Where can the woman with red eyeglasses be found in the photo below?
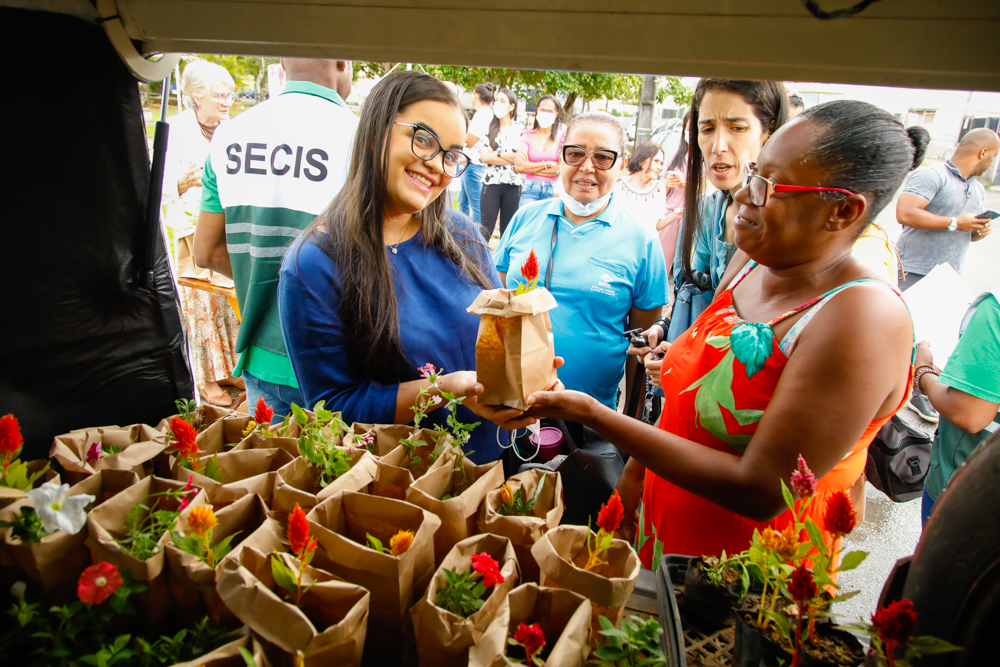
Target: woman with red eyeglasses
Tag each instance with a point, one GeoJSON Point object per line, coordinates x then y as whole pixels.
{"type": "Point", "coordinates": [805, 353]}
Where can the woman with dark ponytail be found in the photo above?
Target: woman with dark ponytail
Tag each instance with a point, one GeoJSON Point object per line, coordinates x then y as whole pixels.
{"type": "Point", "coordinates": [806, 353]}
{"type": "Point", "coordinates": [378, 284]}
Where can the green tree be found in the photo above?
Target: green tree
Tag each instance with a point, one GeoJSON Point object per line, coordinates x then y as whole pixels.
{"type": "Point", "coordinates": [673, 87]}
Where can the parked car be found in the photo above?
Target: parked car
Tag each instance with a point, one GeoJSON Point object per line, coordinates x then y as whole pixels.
{"type": "Point", "coordinates": [668, 136]}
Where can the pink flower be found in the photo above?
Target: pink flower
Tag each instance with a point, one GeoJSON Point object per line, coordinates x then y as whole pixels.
{"type": "Point", "coordinates": [94, 453]}
{"type": "Point", "coordinates": [186, 495]}
{"type": "Point", "coordinates": [803, 480]}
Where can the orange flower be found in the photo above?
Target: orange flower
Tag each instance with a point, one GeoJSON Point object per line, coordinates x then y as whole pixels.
{"type": "Point", "coordinates": [98, 582]}
{"type": "Point", "coordinates": [298, 533]}
{"type": "Point", "coordinates": [400, 542]}
{"type": "Point", "coordinates": [839, 518]}
{"type": "Point", "coordinates": [185, 435]}
{"type": "Point", "coordinates": [262, 414]}
{"type": "Point", "coordinates": [10, 436]}
{"type": "Point", "coordinates": [530, 268]}
{"type": "Point", "coordinates": [611, 514]}
{"type": "Point", "coordinates": [506, 495]}
{"type": "Point", "coordinates": [201, 519]}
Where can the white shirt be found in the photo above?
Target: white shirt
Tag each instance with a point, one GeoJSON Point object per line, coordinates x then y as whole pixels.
{"type": "Point", "coordinates": [479, 126]}
{"type": "Point", "coordinates": [186, 146]}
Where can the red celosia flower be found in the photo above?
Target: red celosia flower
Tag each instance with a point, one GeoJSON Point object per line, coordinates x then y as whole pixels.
{"type": "Point", "coordinates": [185, 434]}
{"type": "Point", "coordinates": [896, 622]}
{"type": "Point", "coordinates": [530, 268]}
{"type": "Point", "coordinates": [263, 413]}
{"type": "Point", "coordinates": [839, 518]}
{"type": "Point", "coordinates": [98, 582]}
{"type": "Point", "coordinates": [801, 586]}
{"type": "Point", "coordinates": [298, 533]}
{"type": "Point", "coordinates": [611, 514]}
{"type": "Point", "coordinates": [531, 638]}
{"type": "Point", "coordinates": [803, 480]}
{"type": "Point", "coordinates": [186, 495]}
{"type": "Point", "coordinates": [10, 436]}
{"type": "Point", "coordinates": [488, 568]}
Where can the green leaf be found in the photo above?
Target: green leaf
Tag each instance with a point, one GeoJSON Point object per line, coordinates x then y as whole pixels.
{"type": "Point", "coordinates": [786, 493]}
{"type": "Point", "coordinates": [927, 645]}
{"type": "Point", "coordinates": [852, 560]}
{"type": "Point", "coordinates": [300, 415]}
{"type": "Point", "coordinates": [224, 547]}
{"type": "Point", "coordinates": [844, 596]}
{"type": "Point", "coordinates": [375, 543]}
{"type": "Point", "coordinates": [212, 469]}
{"type": "Point", "coordinates": [283, 576]}
{"type": "Point", "coordinates": [815, 536]}
{"type": "Point", "coordinates": [247, 657]}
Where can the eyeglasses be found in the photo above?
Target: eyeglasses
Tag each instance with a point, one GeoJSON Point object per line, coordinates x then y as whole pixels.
{"type": "Point", "coordinates": [574, 156]}
{"type": "Point", "coordinates": [223, 97]}
{"type": "Point", "coordinates": [759, 186]}
{"type": "Point", "coordinates": [426, 147]}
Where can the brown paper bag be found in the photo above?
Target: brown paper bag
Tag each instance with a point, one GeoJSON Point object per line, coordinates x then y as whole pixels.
{"type": "Point", "coordinates": [258, 440]}
{"type": "Point", "coordinates": [203, 417]}
{"type": "Point", "coordinates": [514, 349]}
{"type": "Point", "coordinates": [228, 655]}
{"type": "Point", "coordinates": [524, 531]}
{"type": "Point", "coordinates": [330, 627]}
{"type": "Point", "coordinates": [341, 524]}
{"type": "Point", "coordinates": [391, 478]}
{"type": "Point", "coordinates": [243, 472]}
{"type": "Point", "coordinates": [140, 444]}
{"type": "Point", "coordinates": [9, 495]}
{"type": "Point", "coordinates": [444, 638]}
{"type": "Point", "coordinates": [563, 616]}
{"type": "Point", "coordinates": [387, 436]}
{"type": "Point", "coordinates": [296, 482]}
{"type": "Point", "coordinates": [192, 581]}
{"type": "Point", "coordinates": [57, 561]}
{"type": "Point", "coordinates": [458, 514]}
{"type": "Point", "coordinates": [187, 268]}
{"type": "Point", "coordinates": [106, 524]}
{"type": "Point", "coordinates": [561, 554]}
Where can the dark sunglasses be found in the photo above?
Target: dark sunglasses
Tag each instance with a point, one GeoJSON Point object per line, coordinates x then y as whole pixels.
{"type": "Point", "coordinates": [426, 147]}
{"type": "Point", "coordinates": [574, 156]}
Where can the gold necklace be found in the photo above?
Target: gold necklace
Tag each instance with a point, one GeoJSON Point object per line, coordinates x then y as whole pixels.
{"type": "Point", "coordinates": [405, 230]}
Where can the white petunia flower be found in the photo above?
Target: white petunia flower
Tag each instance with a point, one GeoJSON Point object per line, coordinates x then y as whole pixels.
{"type": "Point", "coordinates": [17, 590]}
{"type": "Point", "coordinates": [57, 511]}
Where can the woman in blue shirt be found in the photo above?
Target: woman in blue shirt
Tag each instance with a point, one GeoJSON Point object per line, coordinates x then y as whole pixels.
{"type": "Point", "coordinates": [377, 286]}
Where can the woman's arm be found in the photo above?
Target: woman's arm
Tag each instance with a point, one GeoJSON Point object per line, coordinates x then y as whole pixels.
{"type": "Point", "coordinates": [669, 219]}
{"type": "Point", "coordinates": [523, 165]}
{"type": "Point", "coordinates": [490, 156]}
{"type": "Point", "coordinates": [849, 367]}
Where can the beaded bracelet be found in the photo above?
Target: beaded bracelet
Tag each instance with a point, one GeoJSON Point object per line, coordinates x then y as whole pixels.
{"type": "Point", "coordinates": [921, 371]}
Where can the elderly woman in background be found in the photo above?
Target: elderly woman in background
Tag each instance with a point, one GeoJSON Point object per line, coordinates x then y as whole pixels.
{"type": "Point", "coordinates": [538, 158]}
{"type": "Point", "coordinates": [207, 90]}
{"type": "Point", "coordinates": [607, 270]}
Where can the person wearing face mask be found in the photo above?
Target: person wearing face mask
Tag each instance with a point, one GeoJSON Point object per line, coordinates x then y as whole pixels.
{"type": "Point", "coordinates": [378, 284]}
{"type": "Point", "coordinates": [538, 158]}
{"type": "Point", "coordinates": [501, 184]}
{"type": "Point", "coordinates": [605, 270]}
{"type": "Point", "coordinates": [729, 122]}
{"type": "Point", "coordinates": [479, 126]}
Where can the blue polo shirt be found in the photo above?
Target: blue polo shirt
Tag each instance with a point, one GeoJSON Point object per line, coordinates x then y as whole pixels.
{"type": "Point", "coordinates": [603, 268]}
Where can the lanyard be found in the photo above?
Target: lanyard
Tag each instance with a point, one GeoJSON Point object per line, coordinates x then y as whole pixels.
{"type": "Point", "coordinates": [552, 254]}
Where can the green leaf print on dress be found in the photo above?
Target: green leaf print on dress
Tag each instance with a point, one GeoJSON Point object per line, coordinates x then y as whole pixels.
{"type": "Point", "coordinates": [715, 391]}
{"type": "Point", "coordinates": [753, 343]}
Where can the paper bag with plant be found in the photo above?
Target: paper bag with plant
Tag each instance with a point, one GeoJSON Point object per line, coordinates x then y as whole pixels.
{"type": "Point", "coordinates": [514, 348]}
{"type": "Point", "coordinates": [85, 451]}
{"type": "Point", "coordinates": [527, 506]}
{"type": "Point", "coordinates": [304, 611]}
{"type": "Point", "coordinates": [595, 565]}
{"type": "Point", "coordinates": [201, 418]}
{"type": "Point", "coordinates": [237, 473]}
{"type": "Point", "coordinates": [537, 626]}
{"type": "Point", "coordinates": [384, 545]}
{"type": "Point", "coordinates": [18, 477]}
{"type": "Point", "coordinates": [464, 595]}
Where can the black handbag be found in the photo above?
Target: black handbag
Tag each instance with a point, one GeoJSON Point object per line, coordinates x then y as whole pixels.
{"type": "Point", "coordinates": [898, 460]}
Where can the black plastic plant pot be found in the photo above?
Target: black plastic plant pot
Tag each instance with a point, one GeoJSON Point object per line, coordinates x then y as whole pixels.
{"type": "Point", "coordinates": [706, 605]}
{"type": "Point", "coordinates": [850, 652]}
{"type": "Point", "coordinates": [753, 649]}
{"type": "Point", "coordinates": [671, 573]}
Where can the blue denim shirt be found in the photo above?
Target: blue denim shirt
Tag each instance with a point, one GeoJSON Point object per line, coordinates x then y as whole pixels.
{"type": "Point", "coordinates": [711, 256]}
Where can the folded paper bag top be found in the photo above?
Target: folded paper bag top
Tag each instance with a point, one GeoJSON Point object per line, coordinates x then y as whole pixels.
{"type": "Point", "coordinates": [502, 302]}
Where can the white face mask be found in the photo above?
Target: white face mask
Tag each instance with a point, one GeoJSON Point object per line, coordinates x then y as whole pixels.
{"type": "Point", "coordinates": [545, 119]}
{"type": "Point", "coordinates": [584, 210]}
{"type": "Point", "coordinates": [500, 109]}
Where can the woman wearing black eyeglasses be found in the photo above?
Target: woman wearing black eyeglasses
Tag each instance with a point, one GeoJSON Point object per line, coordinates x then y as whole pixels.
{"type": "Point", "coordinates": [378, 284]}
{"type": "Point", "coordinates": [806, 353]}
{"type": "Point", "coordinates": [607, 270]}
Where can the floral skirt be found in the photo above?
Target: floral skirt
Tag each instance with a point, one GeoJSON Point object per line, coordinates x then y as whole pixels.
{"type": "Point", "coordinates": [212, 330]}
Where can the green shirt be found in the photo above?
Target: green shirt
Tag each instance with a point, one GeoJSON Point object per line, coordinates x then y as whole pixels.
{"type": "Point", "coordinates": [272, 170]}
{"type": "Point", "coordinates": [974, 367]}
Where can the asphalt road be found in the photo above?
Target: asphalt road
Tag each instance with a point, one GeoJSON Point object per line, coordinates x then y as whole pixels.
{"type": "Point", "coordinates": [892, 530]}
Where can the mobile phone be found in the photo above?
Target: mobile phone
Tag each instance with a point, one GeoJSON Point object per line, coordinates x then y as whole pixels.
{"type": "Point", "coordinates": [988, 214]}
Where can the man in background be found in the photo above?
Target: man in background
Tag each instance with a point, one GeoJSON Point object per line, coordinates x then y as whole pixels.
{"type": "Point", "coordinates": [796, 105]}
{"type": "Point", "coordinates": [269, 173]}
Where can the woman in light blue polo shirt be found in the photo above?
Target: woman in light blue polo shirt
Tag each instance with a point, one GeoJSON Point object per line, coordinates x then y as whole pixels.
{"type": "Point", "coordinates": [607, 271]}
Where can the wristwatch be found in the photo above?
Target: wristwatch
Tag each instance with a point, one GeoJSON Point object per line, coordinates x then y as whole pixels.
{"type": "Point", "coordinates": [954, 225]}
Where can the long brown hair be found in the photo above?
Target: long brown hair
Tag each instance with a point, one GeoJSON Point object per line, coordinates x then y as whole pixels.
{"type": "Point", "coordinates": [770, 105]}
{"type": "Point", "coordinates": [349, 232]}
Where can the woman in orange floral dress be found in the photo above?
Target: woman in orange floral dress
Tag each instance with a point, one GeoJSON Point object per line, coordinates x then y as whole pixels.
{"type": "Point", "coordinates": [806, 352]}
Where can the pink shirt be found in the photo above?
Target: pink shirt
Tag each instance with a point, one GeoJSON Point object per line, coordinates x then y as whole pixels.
{"type": "Point", "coordinates": [542, 156]}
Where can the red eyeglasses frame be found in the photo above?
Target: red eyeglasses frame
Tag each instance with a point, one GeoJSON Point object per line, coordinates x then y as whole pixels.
{"type": "Point", "coordinates": [781, 187]}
